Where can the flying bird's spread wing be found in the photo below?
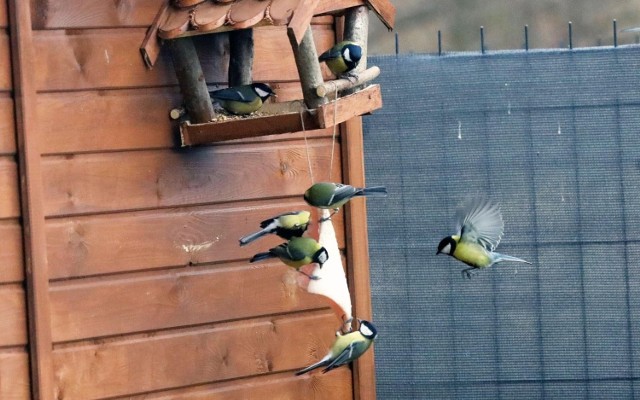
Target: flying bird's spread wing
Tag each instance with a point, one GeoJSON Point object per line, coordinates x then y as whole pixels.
{"type": "Point", "coordinates": [480, 221]}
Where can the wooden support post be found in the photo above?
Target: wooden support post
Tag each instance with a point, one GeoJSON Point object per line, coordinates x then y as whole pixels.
{"type": "Point", "coordinates": [32, 199]}
{"type": "Point", "coordinates": [308, 68]}
{"type": "Point", "coordinates": [191, 79]}
{"type": "Point", "coordinates": [240, 57]}
{"type": "Point", "coordinates": [356, 29]}
{"type": "Point", "coordinates": [357, 244]}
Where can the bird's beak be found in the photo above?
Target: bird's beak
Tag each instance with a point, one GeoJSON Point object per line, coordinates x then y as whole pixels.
{"type": "Point", "coordinates": [273, 95]}
{"type": "Point", "coordinates": [437, 252]}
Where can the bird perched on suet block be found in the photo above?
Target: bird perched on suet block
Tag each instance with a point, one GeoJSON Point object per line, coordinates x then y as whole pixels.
{"type": "Point", "coordinates": [287, 226]}
{"type": "Point", "coordinates": [334, 195]}
{"type": "Point", "coordinates": [346, 348]}
{"type": "Point", "coordinates": [479, 230]}
{"type": "Point", "coordinates": [342, 58]}
{"type": "Point", "coordinates": [242, 100]}
{"type": "Point", "coordinates": [296, 253]}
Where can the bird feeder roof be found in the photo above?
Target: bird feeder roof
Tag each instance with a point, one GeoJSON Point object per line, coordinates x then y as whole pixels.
{"type": "Point", "coordinates": [196, 17]}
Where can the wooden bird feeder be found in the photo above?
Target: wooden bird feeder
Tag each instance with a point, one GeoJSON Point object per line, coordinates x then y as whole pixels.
{"type": "Point", "coordinates": [179, 20]}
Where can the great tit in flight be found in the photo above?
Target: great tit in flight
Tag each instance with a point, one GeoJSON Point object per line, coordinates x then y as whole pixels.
{"type": "Point", "coordinates": [479, 230]}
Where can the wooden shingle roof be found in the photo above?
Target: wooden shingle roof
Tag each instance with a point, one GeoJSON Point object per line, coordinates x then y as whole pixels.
{"type": "Point", "coordinates": [196, 17]}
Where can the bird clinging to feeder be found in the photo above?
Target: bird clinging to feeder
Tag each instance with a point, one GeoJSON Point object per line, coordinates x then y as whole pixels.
{"type": "Point", "coordinates": [332, 196]}
{"type": "Point", "coordinates": [346, 348]}
{"type": "Point", "coordinates": [287, 225]}
{"type": "Point", "coordinates": [296, 253]}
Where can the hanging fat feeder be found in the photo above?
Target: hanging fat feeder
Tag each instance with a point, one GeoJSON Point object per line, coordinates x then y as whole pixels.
{"type": "Point", "coordinates": [179, 20]}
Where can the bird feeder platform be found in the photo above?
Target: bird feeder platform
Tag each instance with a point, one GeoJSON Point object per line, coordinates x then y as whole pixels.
{"type": "Point", "coordinates": [285, 117]}
{"type": "Point", "coordinates": [178, 21]}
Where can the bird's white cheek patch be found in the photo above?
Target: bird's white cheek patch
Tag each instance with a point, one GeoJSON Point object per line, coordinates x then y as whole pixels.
{"type": "Point", "coordinates": [365, 331]}
{"type": "Point", "coordinates": [347, 55]}
{"type": "Point", "coordinates": [261, 92]}
{"type": "Point", "coordinates": [446, 249]}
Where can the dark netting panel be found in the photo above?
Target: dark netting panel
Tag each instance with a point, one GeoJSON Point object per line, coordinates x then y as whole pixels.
{"type": "Point", "coordinates": [555, 138]}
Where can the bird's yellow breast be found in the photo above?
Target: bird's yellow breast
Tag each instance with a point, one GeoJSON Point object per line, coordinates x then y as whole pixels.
{"type": "Point", "coordinates": [337, 65]}
{"type": "Point", "coordinates": [242, 108]}
{"type": "Point", "coordinates": [472, 254]}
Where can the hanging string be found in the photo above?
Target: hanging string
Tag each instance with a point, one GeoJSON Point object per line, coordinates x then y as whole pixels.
{"type": "Point", "coordinates": [306, 145]}
{"type": "Point", "coordinates": [335, 129]}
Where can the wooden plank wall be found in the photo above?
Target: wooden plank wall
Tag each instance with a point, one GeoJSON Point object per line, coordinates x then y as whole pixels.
{"type": "Point", "coordinates": [14, 358]}
{"type": "Point", "coordinates": [150, 295]}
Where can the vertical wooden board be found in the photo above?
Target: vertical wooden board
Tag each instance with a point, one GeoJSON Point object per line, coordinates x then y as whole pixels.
{"type": "Point", "coordinates": [336, 385]}
{"type": "Point", "coordinates": [4, 20]}
{"type": "Point", "coordinates": [13, 314]}
{"type": "Point", "coordinates": [108, 120]}
{"type": "Point", "coordinates": [7, 125]}
{"type": "Point", "coordinates": [165, 361]}
{"type": "Point", "coordinates": [150, 179]}
{"type": "Point", "coordinates": [184, 297]}
{"type": "Point", "coordinates": [11, 254]}
{"type": "Point", "coordinates": [98, 245]}
{"type": "Point", "coordinates": [14, 376]}
{"type": "Point", "coordinates": [9, 201]}
{"type": "Point", "coordinates": [74, 14]}
{"type": "Point", "coordinates": [5, 62]}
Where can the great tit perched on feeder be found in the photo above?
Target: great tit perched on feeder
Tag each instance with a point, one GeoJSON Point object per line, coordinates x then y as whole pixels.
{"type": "Point", "coordinates": [342, 58]}
{"type": "Point", "coordinates": [334, 195]}
{"type": "Point", "coordinates": [480, 228]}
{"type": "Point", "coordinates": [346, 348]}
{"type": "Point", "coordinates": [287, 226]}
{"type": "Point", "coordinates": [242, 100]}
{"type": "Point", "coordinates": [296, 253]}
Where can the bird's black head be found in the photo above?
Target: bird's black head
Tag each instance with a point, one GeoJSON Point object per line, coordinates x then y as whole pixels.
{"type": "Point", "coordinates": [447, 246]}
{"type": "Point", "coordinates": [321, 256]}
{"type": "Point", "coordinates": [351, 53]}
{"type": "Point", "coordinates": [263, 90]}
{"type": "Point", "coordinates": [367, 329]}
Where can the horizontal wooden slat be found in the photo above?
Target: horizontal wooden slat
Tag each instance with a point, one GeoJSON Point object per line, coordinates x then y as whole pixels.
{"type": "Point", "coordinates": [13, 314]}
{"type": "Point", "coordinates": [159, 362]}
{"type": "Point", "coordinates": [149, 179]}
{"type": "Point", "coordinates": [77, 14]}
{"type": "Point", "coordinates": [117, 119]}
{"type": "Point", "coordinates": [11, 256]}
{"type": "Point", "coordinates": [337, 385]}
{"type": "Point", "coordinates": [5, 64]}
{"type": "Point", "coordinates": [109, 58]}
{"type": "Point", "coordinates": [9, 200]}
{"type": "Point", "coordinates": [81, 310]}
{"type": "Point", "coordinates": [7, 125]}
{"type": "Point", "coordinates": [48, 14]}
{"type": "Point", "coordinates": [94, 245]}
{"type": "Point", "coordinates": [14, 376]}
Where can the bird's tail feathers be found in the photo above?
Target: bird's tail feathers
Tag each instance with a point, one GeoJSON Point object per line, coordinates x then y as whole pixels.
{"type": "Point", "coordinates": [504, 257]}
{"type": "Point", "coordinates": [373, 191]}
{"type": "Point", "coordinates": [261, 256]}
{"type": "Point", "coordinates": [252, 236]}
{"type": "Point", "coordinates": [311, 367]}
